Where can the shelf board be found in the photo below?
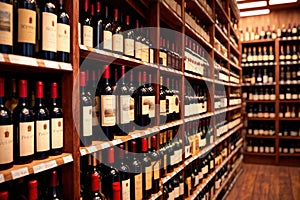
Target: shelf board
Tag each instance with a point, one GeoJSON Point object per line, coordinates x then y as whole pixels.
{"type": "Point", "coordinates": [222, 110]}
{"type": "Point", "coordinates": [222, 15]}
{"type": "Point", "coordinates": [290, 101]}
{"type": "Point", "coordinates": [220, 82]}
{"type": "Point", "coordinates": [219, 55]}
{"type": "Point", "coordinates": [27, 64]}
{"type": "Point", "coordinates": [100, 145]}
{"type": "Point", "coordinates": [260, 136]}
{"type": "Point", "coordinates": [261, 118]}
{"type": "Point", "coordinates": [155, 196]}
{"type": "Point", "coordinates": [261, 64]}
{"type": "Point", "coordinates": [289, 63]}
{"type": "Point", "coordinates": [289, 119]}
{"type": "Point", "coordinates": [201, 12]}
{"type": "Point", "coordinates": [201, 78]}
{"type": "Point", "coordinates": [260, 101]}
{"type": "Point", "coordinates": [289, 39]}
{"type": "Point", "coordinates": [197, 37]}
{"type": "Point", "coordinates": [235, 85]}
{"type": "Point", "coordinates": [234, 65]}
{"type": "Point", "coordinates": [111, 58]}
{"type": "Point", "coordinates": [170, 16]}
{"type": "Point", "coordinates": [258, 154]}
{"type": "Point", "coordinates": [171, 70]}
{"type": "Point", "coordinates": [235, 49]}
{"type": "Point", "coordinates": [198, 117]}
{"type": "Point", "coordinates": [258, 41]}
{"type": "Point", "coordinates": [294, 82]}
{"type": "Point", "coordinates": [289, 137]}
{"type": "Point", "coordinates": [289, 154]}
{"type": "Point", "coordinates": [37, 166]}
{"type": "Point", "coordinates": [258, 84]}
{"type": "Point", "coordinates": [220, 35]}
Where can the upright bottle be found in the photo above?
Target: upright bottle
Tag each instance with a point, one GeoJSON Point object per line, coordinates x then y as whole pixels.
{"type": "Point", "coordinates": [42, 124]}
{"type": "Point", "coordinates": [124, 173]}
{"type": "Point", "coordinates": [131, 90]}
{"type": "Point", "coordinates": [95, 193]}
{"type": "Point", "coordinates": [12, 101]}
{"type": "Point", "coordinates": [117, 36]}
{"type": "Point", "coordinates": [98, 26]}
{"type": "Point", "coordinates": [63, 34]}
{"type": "Point", "coordinates": [54, 190]}
{"type": "Point", "coordinates": [85, 113]}
{"type": "Point", "coordinates": [147, 169]}
{"type": "Point", "coordinates": [87, 26]}
{"type": "Point", "coordinates": [56, 123]}
{"type": "Point", "coordinates": [128, 38]}
{"type": "Point", "coordinates": [6, 40]}
{"type": "Point", "coordinates": [136, 178]}
{"type": "Point", "coordinates": [23, 119]}
{"type": "Point", "coordinates": [26, 26]}
{"type": "Point", "coordinates": [6, 132]}
{"type": "Point", "coordinates": [107, 32]}
{"type": "Point", "coordinates": [155, 159]}
{"type": "Point", "coordinates": [162, 102]}
{"type": "Point", "coordinates": [32, 190]}
{"type": "Point", "coordinates": [151, 100]}
{"type": "Point", "coordinates": [107, 106]}
{"type": "Point", "coordinates": [138, 42]}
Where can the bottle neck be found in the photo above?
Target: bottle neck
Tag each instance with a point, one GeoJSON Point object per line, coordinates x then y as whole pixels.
{"type": "Point", "coordinates": [38, 101]}
{"type": "Point", "coordinates": [82, 89]}
{"type": "Point", "coordinates": [1, 100]}
{"type": "Point", "coordinates": [54, 101]}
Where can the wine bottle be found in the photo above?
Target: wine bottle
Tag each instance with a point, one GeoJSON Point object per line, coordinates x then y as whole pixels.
{"type": "Point", "coordinates": [6, 40]}
{"type": "Point", "coordinates": [87, 26]}
{"type": "Point", "coordinates": [136, 179]}
{"type": "Point", "coordinates": [147, 170]}
{"type": "Point", "coordinates": [12, 101]}
{"type": "Point", "coordinates": [162, 102]}
{"type": "Point", "coordinates": [6, 132]}
{"type": "Point", "coordinates": [124, 173]}
{"type": "Point", "coordinates": [95, 193]}
{"type": "Point", "coordinates": [56, 128]}
{"type": "Point", "coordinates": [262, 33]}
{"type": "Point", "coordinates": [294, 31]}
{"type": "Point", "coordinates": [138, 41]}
{"type": "Point", "coordinates": [107, 102]}
{"type": "Point", "coordinates": [289, 32]}
{"type": "Point", "coordinates": [170, 101]}
{"type": "Point", "coordinates": [176, 187]}
{"type": "Point", "coordinates": [4, 195]}
{"type": "Point", "coordinates": [32, 190]}
{"type": "Point", "coordinates": [63, 34]}
{"type": "Point", "coordinates": [128, 38]}
{"type": "Point", "coordinates": [151, 100]}
{"type": "Point", "coordinates": [188, 182]}
{"type": "Point", "coordinates": [155, 158]}
{"type": "Point", "coordinates": [117, 36]}
{"type": "Point", "coordinates": [23, 128]}
{"type": "Point", "coordinates": [26, 28]}
{"type": "Point", "coordinates": [54, 190]}
{"type": "Point", "coordinates": [98, 26]}
{"type": "Point", "coordinates": [131, 90]}
{"type": "Point", "coordinates": [42, 124]}
{"type": "Point", "coordinates": [85, 113]}
{"type": "Point", "coordinates": [283, 31]}
{"type": "Point", "coordinates": [107, 32]}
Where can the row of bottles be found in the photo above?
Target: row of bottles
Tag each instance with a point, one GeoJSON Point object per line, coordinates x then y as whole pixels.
{"type": "Point", "coordinates": [289, 32]}
{"type": "Point", "coordinates": [261, 110]}
{"type": "Point", "coordinates": [267, 128]}
{"type": "Point", "coordinates": [258, 55]}
{"type": "Point", "coordinates": [289, 92]}
{"type": "Point", "coordinates": [287, 128]}
{"type": "Point", "coordinates": [35, 29]}
{"type": "Point", "coordinates": [169, 55]}
{"type": "Point", "coordinates": [267, 77]}
{"type": "Point", "coordinates": [287, 110]}
{"type": "Point", "coordinates": [262, 93]}
{"type": "Point", "coordinates": [289, 53]}
{"type": "Point", "coordinates": [195, 101]}
{"type": "Point", "coordinates": [289, 146]}
{"type": "Point", "coordinates": [27, 132]}
{"type": "Point", "coordinates": [260, 146]}
{"type": "Point", "coordinates": [289, 74]}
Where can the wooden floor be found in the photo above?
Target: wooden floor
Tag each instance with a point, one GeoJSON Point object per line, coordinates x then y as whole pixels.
{"type": "Point", "coordinates": [265, 182]}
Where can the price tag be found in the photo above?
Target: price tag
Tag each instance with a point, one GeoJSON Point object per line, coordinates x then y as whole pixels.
{"type": "Point", "coordinates": [50, 164]}
{"type": "Point", "coordinates": [147, 132]}
{"type": "Point", "coordinates": [115, 142]}
{"type": "Point", "coordinates": [68, 159]}
{"type": "Point", "coordinates": [136, 135]}
{"type": "Point", "coordinates": [83, 47]}
{"type": "Point", "coordinates": [125, 58]}
{"type": "Point", "coordinates": [39, 168]}
{"type": "Point", "coordinates": [1, 57]}
{"type": "Point", "coordinates": [66, 66]}
{"type": "Point", "coordinates": [156, 129]}
{"type": "Point", "coordinates": [91, 149]}
{"type": "Point", "coordinates": [51, 64]}
{"type": "Point", "coordinates": [82, 152]}
{"type": "Point", "coordinates": [1, 178]}
{"type": "Point", "coordinates": [18, 173]}
{"type": "Point", "coordinates": [105, 145]}
{"type": "Point", "coordinates": [22, 60]}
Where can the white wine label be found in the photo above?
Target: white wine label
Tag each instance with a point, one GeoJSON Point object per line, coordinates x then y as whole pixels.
{"type": "Point", "coordinates": [128, 47]}
{"type": "Point", "coordinates": [108, 110]}
{"type": "Point", "coordinates": [163, 108]}
{"type": "Point", "coordinates": [124, 109]}
{"type": "Point", "coordinates": [205, 170]}
{"type": "Point", "coordinates": [49, 31]}
{"type": "Point", "coordinates": [26, 138]}
{"type": "Point", "coordinates": [255, 149]}
{"type": "Point", "coordinates": [117, 43]}
{"type": "Point", "coordinates": [145, 53]}
{"type": "Point", "coordinates": [145, 105]}
{"type": "Point", "coordinates": [26, 26]}
{"type": "Point", "coordinates": [87, 121]}
{"type": "Point", "coordinates": [6, 144]}
{"type": "Point", "coordinates": [151, 106]}
{"type": "Point", "coordinates": [163, 58]}
{"type": "Point", "coordinates": [151, 56]}
{"type": "Point", "coordinates": [57, 131]}
{"type": "Point", "coordinates": [88, 36]}
{"type": "Point", "coordinates": [63, 37]}
{"type": "Point", "coordinates": [131, 111]}
{"type": "Point", "coordinates": [126, 189]}
{"type": "Point", "coordinates": [148, 177]}
{"type": "Point", "coordinates": [249, 148]}
{"type": "Point", "coordinates": [156, 172]}
{"type": "Point", "coordinates": [138, 50]}
{"type": "Point", "coordinates": [218, 184]}
{"type": "Point", "coordinates": [288, 95]}
{"type": "Point", "coordinates": [6, 24]}
{"type": "Point", "coordinates": [212, 164]}
{"type": "Point", "coordinates": [181, 189]}
{"type": "Point", "coordinates": [42, 136]}
{"type": "Point", "coordinates": [138, 187]}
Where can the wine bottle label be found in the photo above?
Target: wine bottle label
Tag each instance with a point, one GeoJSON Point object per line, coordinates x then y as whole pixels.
{"type": "Point", "coordinates": [288, 57]}
{"type": "Point", "coordinates": [26, 26]}
{"type": "Point", "coordinates": [151, 55]}
{"type": "Point", "coordinates": [189, 185]}
{"type": "Point", "coordinates": [187, 151]}
{"type": "Point", "coordinates": [95, 111]}
{"type": "Point", "coordinates": [6, 24]}
{"type": "Point", "coordinates": [295, 96]}
{"type": "Point", "coordinates": [128, 47]}
{"type": "Point", "coordinates": [255, 149]}
{"type": "Point", "coordinates": [126, 189]}
{"type": "Point", "coordinates": [287, 114]}
{"type": "Point", "coordinates": [271, 57]}
{"type": "Point", "coordinates": [169, 104]}
{"type": "Point", "coordinates": [281, 57]}
{"type": "Point", "coordinates": [281, 96]}
{"type": "Point", "coordinates": [49, 32]}
{"type": "Point", "coordinates": [165, 161]}
{"type": "Point", "coordinates": [266, 57]}
{"type": "Point", "coordinates": [117, 42]}
{"type": "Point", "coordinates": [181, 189]}
{"type": "Point", "coordinates": [292, 150]}
{"type": "Point", "coordinates": [6, 143]}
{"type": "Point", "coordinates": [138, 186]}
{"type": "Point", "coordinates": [179, 157]}
{"type": "Point", "coordinates": [124, 109]}
{"type": "Point", "coordinates": [288, 95]}
{"type": "Point", "coordinates": [57, 133]}
{"type": "Point", "coordinates": [108, 109]}
{"type": "Point", "coordinates": [249, 148]}
{"type": "Point", "coordinates": [79, 33]}
{"type": "Point", "coordinates": [138, 50]}
{"type": "Point", "coordinates": [145, 54]}
{"type": "Point", "coordinates": [266, 115]}
{"type": "Point", "coordinates": [42, 136]}
{"type": "Point", "coordinates": [196, 181]}
{"type": "Point", "coordinates": [172, 159]}
{"type": "Point", "coordinates": [163, 58]}
{"type": "Point", "coordinates": [261, 131]}
{"type": "Point", "coordinates": [285, 150]}
{"type": "Point", "coordinates": [265, 79]}
{"type": "Point", "coordinates": [63, 37]}
{"type": "Point", "coordinates": [212, 164]}
{"type": "Point", "coordinates": [145, 105]}
{"type": "Point", "coordinates": [87, 120]}
{"type": "Point", "coordinates": [148, 175]}
{"type": "Point", "coordinates": [267, 149]}
{"type": "Point", "coordinates": [218, 184]}
{"type": "Point", "coordinates": [26, 138]}
{"type": "Point", "coordinates": [205, 169]}
{"type": "Point", "coordinates": [88, 36]}
{"type": "Point", "coordinates": [162, 105]}
{"type": "Point", "coordinates": [176, 104]}
{"type": "Point", "coordinates": [260, 57]}
{"type": "Point", "coordinates": [295, 57]}
{"type": "Point", "coordinates": [107, 40]}
{"type": "Point", "coordinates": [151, 100]}
{"type": "Point", "coordinates": [131, 111]}
{"type": "Point", "coordinates": [176, 192]}
{"type": "Point", "coordinates": [156, 170]}
{"type": "Point", "coordinates": [171, 195]}
{"type": "Point", "coordinates": [271, 149]}
{"type": "Point", "coordinates": [272, 97]}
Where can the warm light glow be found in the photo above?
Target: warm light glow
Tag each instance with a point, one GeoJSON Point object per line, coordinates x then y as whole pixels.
{"type": "Point", "coordinates": [255, 12]}
{"type": "Point", "coordinates": [275, 2]}
{"type": "Point", "coordinates": [252, 4]}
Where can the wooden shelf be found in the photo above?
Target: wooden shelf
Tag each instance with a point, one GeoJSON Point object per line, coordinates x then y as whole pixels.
{"type": "Point", "coordinates": [29, 64]}
{"type": "Point", "coordinates": [261, 64]}
{"type": "Point", "coordinates": [290, 101]}
{"type": "Point", "coordinates": [289, 137]}
{"type": "Point", "coordinates": [261, 118]}
{"type": "Point", "coordinates": [220, 82]}
{"type": "Point", "coordinates": [201, 12]}
{"type": "Point", "coordinates": [169, 16]}
{"type": "Point", "coordinates": [290, 154]}
{"type": "Point", "coordinates": [220, 35]}
{"type": "Point", "coordinates": [289, 119]}
{"type": "Point", "coordinates": [289, 39]}
{"type": "Point", "coordinates": [222, 110]}
{"type": "Point", "coordinates": [201, 78]}
{"type": "Point", "coordinates": [259, 154]}
{"type": "Point", "coordinates": [260, 136]}
{"type": "Point", "coordinates": [156, 196]}
{"type": "Point", "coordinates": [197, 37]}
{"type": "Point", "coordinates": [37, 166]}
{"type": "Point", "coordinates": [198, 117]}
{"type": "Point", "coordinates": [222, 15]}
{"type": "Point", "coordinates": [260, 101]}
{"type": "Point", "coordinates": [171, 70]}
{"type": "Point", "coordinates": [258, 41]}
{"type": "Point", "coordinates": [258, 84]}
{"type": "Point", "coordinates": [294, 82]}
{"type": "Point", "coordinates": [234, 65]}
{"type": "Point", "coordinates": [221, 56]}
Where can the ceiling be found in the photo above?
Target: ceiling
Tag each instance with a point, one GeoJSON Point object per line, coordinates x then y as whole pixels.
{"type": "Point", "coordinates": [259, 7]}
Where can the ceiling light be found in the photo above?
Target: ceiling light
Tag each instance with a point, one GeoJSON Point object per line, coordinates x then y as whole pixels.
{"type": "Point", "coordinates": [252, 5]}
{"type": "Point", "coordinates": [255, 12]}
{"type": "Point", "coordinates": [275, 2]}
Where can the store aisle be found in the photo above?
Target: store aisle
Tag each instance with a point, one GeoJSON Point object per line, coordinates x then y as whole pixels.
{"type": "Point", "coordinates": [265, 182]}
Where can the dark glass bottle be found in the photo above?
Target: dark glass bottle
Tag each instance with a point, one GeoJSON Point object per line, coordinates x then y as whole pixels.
{"type": "Point", "coordinates": [63, 34]}
{"type": "Point", "coordinates": [12, 101]}
{"type": "Point", "coordinates": [6, 40]}
{"type": "Point", "coordinates": [124, 173]}
{"type": "Point", "coordinates": [32, 190]}
{"type": "Point", "coordinates": [4, 195]}
{"type": "Point", "coordinates": [170, 100]}
{"type": "Point", "coordinates": [151, 99]}
{"type": "Point", "coordinates": [147, 169]}
{"type": "Point", "coordinates": [128, 38]}
{"type": "Point", "coordinates": [162, 103]}
{"type": "Point", "coordinates": [95, 193]}
{"type": "Point", "coordinates": [98, 26]}
{"type": "Point", "coordinates": [107, 31]}
{"type": "Point", "coordinates": [54, 190]}
{"type": "Point", "coordinates": [136, 178]}
{"type": "Point", "coordinates": [87, 26]}
{"type": "Point", "coordinates": [6, 132]}
{"type": "Point", "coordinates": [23, 119]}
{"type": "Point", "coordinates": [131, 90]}
{"type": "Point", "coordinates": [155, 160]}
{"type": "Point", "coordinates": [138, 41]}
{"type": "Point", "coordinates": [117, 36]}
{"type": "Point", "coordinates": [188, 182]}
{"type": "Point", "coordinates": [56, 128]}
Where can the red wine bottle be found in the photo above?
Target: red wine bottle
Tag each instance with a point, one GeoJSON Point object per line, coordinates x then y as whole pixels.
{"type": "Point", "coordinates": [162, 102]}
{"type": "Point", "coordinates": [98, 26]}
{"type": "Point", "coordinates": [26, 20]}
{"type": "Point", "coordinates": [95, 193]}
{"type": "Point", "coordinates": [107, 102]}
{"type": "Point", "coordinates": [151, 99]}
{"type": "Point", "coordinates": [49, 31]}
{"type": "Point", "coordinates": [87, 26]}
{"type": "Point", "coordinates": [23, 128]}
{"type": "Point", "coordinates": [131, 89]}
{"type": "Point", "coordinates": [4, 195]}
{"type": "Point", "coordinates": [42, 124]}
{"type": "Point", "coordinates": [107, 32]}
{"type": "Point", "coordinates": [147, 169]}
{"type": "Point", "coordinates": [33, 190]}
{"type": "Point", "coordinates": [128, 38]}
{"type": "Point", "coordinates": [54, 190]}
{"type": "Point", "coordinates": [136, 179]}
{"type": "Point", "coordinates": [124, 174]}
{"type": "Point", "coordinates": [117, 36]}
{"type": "Point", "coordinates": [155, 163]}
{"type": "Point", "coordinates": [86, 113]}
{"type": "Point", "coordinates": [6, 40]}
{"type": "Point", "coordinates": [6, 132]}
{"type": "Point", "coordinates": [63, 34]}
{"type": "Point", "coordinates": [56, 128]}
